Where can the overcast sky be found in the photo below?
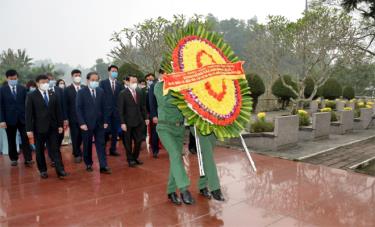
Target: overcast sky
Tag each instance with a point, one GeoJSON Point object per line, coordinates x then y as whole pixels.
{"type": "Point", "coordinates": [78, 31]}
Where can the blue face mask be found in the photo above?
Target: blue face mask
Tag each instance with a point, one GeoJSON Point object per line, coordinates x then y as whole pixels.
{"type": "Point", "coordinates": [94, 84]}
{"type": "Point", "coordinates": [12, 82]}
{"type": "Point", "coordinates": [32, 89]}
{"type": "Point", "coordinates": [114, 75]}
{"type": "Point", "coordinates": [52, 83]}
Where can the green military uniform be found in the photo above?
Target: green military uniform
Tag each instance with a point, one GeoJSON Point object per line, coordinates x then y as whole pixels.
{"type": "Point", "coordinates": [211, 179]}
{"type": "Point", "coordinates": [171, 131]}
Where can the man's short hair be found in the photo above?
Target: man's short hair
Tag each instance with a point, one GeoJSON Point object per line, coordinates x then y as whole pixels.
{"type": "Point", "coordinates": [41, 77]}
{"type": "Point", "coordinates": [74, 71]}
{"type": "Point", "coordinates": [149, 74]}
{"type": "Point", "coordinates": [112, 66]}
{"type": "Point", "coordinates": [90, 74]}
{"type": "Point", "coordinates": [11, 72]}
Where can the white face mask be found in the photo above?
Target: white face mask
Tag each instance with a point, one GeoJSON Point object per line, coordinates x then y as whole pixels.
{"type": "Point", "coordinates": [133, 86]}
{"type": "Point", "coordinates": [77, 79]}
{"type": "Point", "coordinates": [62, 86]}
{"type": "Point", "coordinates": [44, 86]}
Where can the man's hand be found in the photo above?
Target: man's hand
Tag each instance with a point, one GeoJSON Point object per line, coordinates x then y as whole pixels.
{"type": "Point", "coordinates": [155, 120]}
{"type": "Point", "coordinates": [147, 122]}
{"type": "Point", "coordinates": [84, 127]}
{"type": "Point", "coordinates": [61, 130]}
{"type": "Point", "coordinates": [123, 127]}
{"type": "Point", "coordinates": [3, 125]}
{"type": "Point", "coordinates": [30, 135]}
{"type": "Point", "coordinates": [105, 126]}
{"type": "Point", "coordinates": [66, 124]}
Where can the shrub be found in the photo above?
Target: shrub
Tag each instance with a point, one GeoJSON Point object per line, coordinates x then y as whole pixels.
{"type": "Point", "coordinates": [127, 68]}
{"type": "Point", "coordinates": [257, 87]}
{"type": "Point", "coordinates": [330, 104]}
{"type": "Point", "coordinates": [309, 87]}
{"type": "Point", "coordinates": [331, 89]}
{"type": "Point", "coordinates": [348, 108]}
{"type": "Point", "coordinates": [261, 125]}
{"type": "Point", "coordinates": [333, 114]}
{"type": "Point", "coordinates": [304, 118]}
{"type": "Point", "coordinates": [348, 92]}
{"type": "Point", "coordinates": [282, 92]}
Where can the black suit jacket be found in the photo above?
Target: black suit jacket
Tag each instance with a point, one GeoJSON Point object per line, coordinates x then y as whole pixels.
{"type": "Point", "coordinates": [90, 112]}
{"type": "Point", "coordinates": [41, 118]}
{"type": "Point", "coordinates": [110, 97]}
{"type": "Point", "coordinates": [70, 95]}
{"type": "Point", "coordinates": [11, 109]}
{"type": "Point", "coordinates": [152, 101]}
{"type": "Point", "coordinates": [132, 113]}
{"type": "Point", "coordinates": [59, 92]}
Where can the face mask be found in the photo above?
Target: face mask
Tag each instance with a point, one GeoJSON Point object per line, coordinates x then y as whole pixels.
{"type": "Point", "coordinates": [114, 75]}
{"type": "Point", "coordinates": [32, 88]}
{"type": "Point", "coordinates": [133, 86]}
{"type": "Point", "coordinates": [52, 83]}
{"type": "Point", "coordinates": [149, 83]}
{"type": "Point", "coordinates": [12, 82]}
{"type": "Point", "coordinates": [93, 84]}
{"type": "Point", "coordinates": [62, 86]}
{"type": "Point", "coordinates": [44, 86]}
{"type": "Point", "coordinates": [77, 79]}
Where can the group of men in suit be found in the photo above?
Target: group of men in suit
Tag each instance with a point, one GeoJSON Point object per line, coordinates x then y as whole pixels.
{"type": "Point", "coordinates": [96, 112]}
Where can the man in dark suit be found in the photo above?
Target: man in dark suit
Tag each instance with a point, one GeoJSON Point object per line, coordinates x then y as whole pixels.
{"type": "Point", "coordinates": [153, 107]}
{"type": "Point", "coordinates": [112, 89]}
{"type": "Point", "coordinates": [44, 122]}
{"type": "Point", "coordinates": [70, 94]}
{"type": "Point", "coordinates": [92, 116]}
{"type": "Point", "coordinates": [12, 117]}
{"type": "Point", "coordinates": [132, 111]}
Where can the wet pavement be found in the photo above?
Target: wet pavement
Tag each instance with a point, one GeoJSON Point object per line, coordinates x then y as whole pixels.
{"type": "Point", "coordinates": [281, 193]}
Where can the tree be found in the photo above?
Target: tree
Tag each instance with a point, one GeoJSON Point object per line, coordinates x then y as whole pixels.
{"type": "Point", "coordinates": [130, 69]}
{"type": "Point", "coordinates": [284, 93]}
{"type": "Point", "coordinates": [15, 59]}
{"type": "Point", "coordinates": [257, 87]}
{"type": "Point", "coordinates": [348, 93]}
{"type": "Point", "coordinates": [332, 89]}
{"type": "Point", "coordinates": [100, 67]}
{"type": "Point", "coordinates": [43, 69]}
{"type": "Point", "coordinates": [309, 87]}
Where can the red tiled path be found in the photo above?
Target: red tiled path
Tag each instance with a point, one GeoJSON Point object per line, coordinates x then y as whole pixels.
{"type": "Point", "coordinates": [281, 193]}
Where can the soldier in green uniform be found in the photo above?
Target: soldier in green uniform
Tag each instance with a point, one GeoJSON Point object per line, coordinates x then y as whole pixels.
{"type": "Point", "coordinates": [171, 131]}
{"type": "Point", "coordinates": [209, 182]}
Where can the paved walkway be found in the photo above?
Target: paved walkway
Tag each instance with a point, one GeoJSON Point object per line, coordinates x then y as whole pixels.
{"type": "Point", "coordinates": [281, 193]}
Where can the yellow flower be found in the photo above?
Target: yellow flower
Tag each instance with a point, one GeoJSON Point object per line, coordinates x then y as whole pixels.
{"type": "Point", "coordinates": [261, 116]}
{"type": "Point", "coordinates": [327, 109]}
{"type": "Point", "coordinates": [368, 106]}
{"type": "Point", "coordinates": [302, 112]}
{"type": "Point", "coordinates": [348, 108]}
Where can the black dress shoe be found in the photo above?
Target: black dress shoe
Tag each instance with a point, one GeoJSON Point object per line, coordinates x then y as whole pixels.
{"type": "Point", "coordinates": [43, 175]}
{"type": "Point", "coordinates": [62, 174]}
{"type": "Point", "coordinates": [13, 163]}
{"type": "Point", "coordinates": [155, 156]}
{"type": "Point", "coordinates": [173, 197]}
{"type": "Point", "coordinates": [106, 170]}
{"type": "Point", "coordinates": [138, 162]}
{"type": "Point", "coordinates": [132, 164]}
{"type": "Point", "coordinates": [89, 168]}
{"type": "Point", "coordinates": [218, 195]}
{"type": "Point", "coordinates": [114, 153]}
{"type": "Point", "coordinates": [205, 193]}
{"type": "Point", "coordinates": [187, 198]}
{"type": "Point", "coordinates": [193, 151]}
{"type": "Point", "coordinates": [78, 159]}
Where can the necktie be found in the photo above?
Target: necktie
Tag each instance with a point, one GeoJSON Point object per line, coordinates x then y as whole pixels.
{"type": "Point", "coordinates": [93, 93]}
{"type": "Point", "coordinates": [45, 97]}
{"type": "Point", "coordinates": [113, 86]}
{"type": "Point", "coordinates": [134, 95]}
{"type": "Point", "coordinates": [14, 92]}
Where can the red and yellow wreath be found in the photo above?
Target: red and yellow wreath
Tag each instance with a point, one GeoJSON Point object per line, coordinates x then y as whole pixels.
{"type": "Point", "coordinates": [208, 81]}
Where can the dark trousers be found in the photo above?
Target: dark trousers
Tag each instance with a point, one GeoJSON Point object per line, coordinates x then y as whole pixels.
{"type": "Point", "coordinates": [154, 138]}
{"type": "Point", "coordinates": [87, 137]}
{"type": "Point", "coordinates": [50, 138]}
{"type": "Point", "coordinates": [76, 137]}
{"type": "Point", "coordinates": [12, 134]}
{"type": "Point", "coordinates": [60, 138]}
{"type": "Point", "coordinates": [192, 145]}
{"type": "Point", "coordinates": [133, 134]}
{"type": "Point", "coordinates": [113, 127]}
